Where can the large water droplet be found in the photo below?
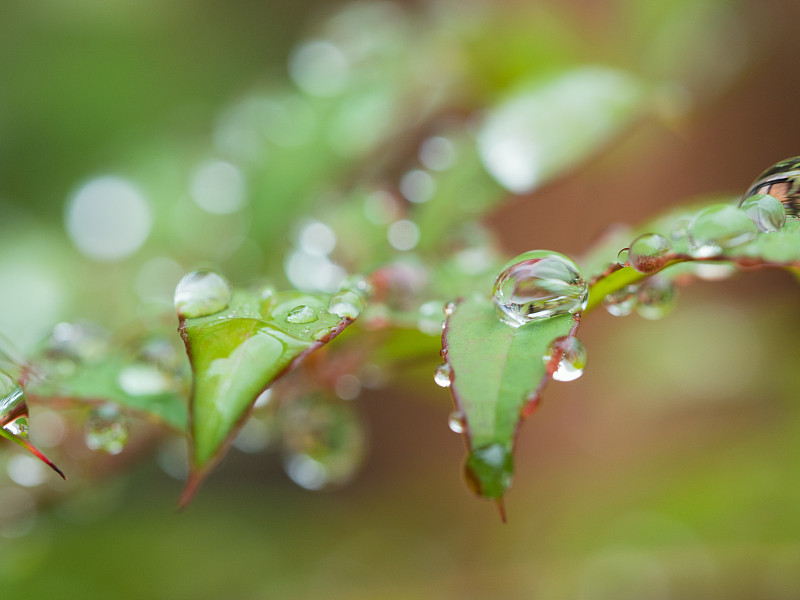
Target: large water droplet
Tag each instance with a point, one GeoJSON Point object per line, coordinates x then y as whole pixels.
{"type": "Point", "coordinates": [13, 407]}
{"type": "Point", "coordinates": [573, 358]}
{"type": "Point", "coordinates": [443, 375]}
{"type": "Point", "coordinates": [622, 302]}
{"type": "Point", "coordinates": [782, 181]}
{"type": "Point", "coordinates": [346, 304]}
{"type": "Point", "coordinates": [324, 442]}
{"type": "Point", "coordinates": [655, 298]}
{"type": "Point", "coordinates": [649, 253]}
{"type": "Point", "coordinates": [106, 430]}
{"type": "Point", "coordinates": [623, 256]}
{"type": "Point", "coordinates": [457, 422]}
{"type": "Point", "coordinates": [489, 470]}
{"type": "Point", "coordinates": [202, 293]}
{"type": "Point", "coordinates": [449, 309]}
{"type": "Point", "coordinates": [767, 212]}
{"type": "Point", "coordinates": [537, 285]}
{"type": "Point", "coordinates": [717, 228]}
{"type": "Point", "coordinates": [302, 314]}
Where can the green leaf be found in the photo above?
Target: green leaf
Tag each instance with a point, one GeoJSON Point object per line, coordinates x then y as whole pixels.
{"type": "Point", "coordinates": [498, 372]}
{"type": "Point", "coordinates": [238, 353]}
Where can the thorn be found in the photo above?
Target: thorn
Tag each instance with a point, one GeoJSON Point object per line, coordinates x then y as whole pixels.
{"type": "Point", "coordinates": [35, 451]}
{"type": "Point", "coordinates": [501, 507]}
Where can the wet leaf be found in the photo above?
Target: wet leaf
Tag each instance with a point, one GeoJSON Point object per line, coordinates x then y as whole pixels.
{"type": "Point", "coordinates": [14, 418]}
{"type": "Point", "coordinates": [238, 353]}
{"type": "Point", "coordinates": [498, 372]}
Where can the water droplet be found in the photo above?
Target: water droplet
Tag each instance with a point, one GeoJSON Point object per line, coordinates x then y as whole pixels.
{"type": "Point", "coordinates": [449, 309]}
{"type": "Point", "coordinates": [622, 257]}
{"type": "Point", "coordinates": [302, 314]}
{"type": "Point", "coordinates": [537, 285]}
{"type": "Point", "coordinates": [655, 298]}
{"type": "Point", "coordinates": [82, 342]}
{"type": "Point", "coordinates": [767, 212]}
{"type": "Point", "coordinates": [457, 421]}
{"type": "Point", "coordinates": [346, 304]}
{"type": "Point", "coordinates": [713, 271]}
{"type": "Point", "coordinates": [649, 253]}
{"type": "Point", "coordinates": [622, 302]}
{"type": "Point", "coordinates": [141, 379]}
{"type": "Point", "coordinates": [443, 375]}
{"type": "Point", "coordinates": [489, 470]}
{"type": "Point", "coordinates": [717, 228]}
{"type": "Point", "coordinates": [782, 181]}
{"type": "Point", "coordinates": [680, 229]}
{"type": "Point", "coordinates": [13, 407]}
{"type": "Point", "coordinates": [430, 317]}
{"type": "Point", "coordinates": [106, 430]}
{"type": "Point", "coordinates": [573, 358]}
{"type": "Point", "coordinates": [324, 442]}
{"type": "Point", "coordinates": [202, 293]}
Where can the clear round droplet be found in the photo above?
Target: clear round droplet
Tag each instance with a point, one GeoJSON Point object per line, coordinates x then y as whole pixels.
{"type": "Point", "coordinates": [649, 253]}
{"type": "Point", "coordinates": [457, 422]}
{"type": "Point", "coordinates": [443, 375]}
{"type": "Point", "coordinates": [766, 211]}
{"type": "Point", "coordinates": [537, 285]}
{"type": "Point", "coordinates": [781, 180]}
{"type": "Point", "coordinates": [622, 302]}
{"type": "Point", "coordinates": [13, 407]}
{"type": "Point", "coordinates": [202, 293]}
{"type": "Point", "coordinates": [302, 314]}
{"type": "Point", "coordinates": [655, 298]}
{"type": "Point", "coordinates": [106, 430]}
{"type": "Point", "coordinates": [718, 228]}
{"type": "Point", "coordinates": [573, 358]}
{"type": "Point", "coordinates": [346, 304]}
{"type": "Point", "coordinates": [449, 309]}
{"type": "Point", "coordinates": [622, 257]}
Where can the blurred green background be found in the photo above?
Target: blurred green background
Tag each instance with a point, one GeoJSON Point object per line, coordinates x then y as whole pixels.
{"type": "Point", "coordinates": [666, 471]}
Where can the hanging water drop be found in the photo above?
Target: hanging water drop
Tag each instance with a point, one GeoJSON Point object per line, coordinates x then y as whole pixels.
{"type": "Point", "coordinates": [537, 285]}
{"type": "Point", "coordinates": [622, 257]}
{"type": "Point", "coordinates": [572, 361]}
{"type": "Point", "coordinates": [655, 298]}
{"type": "Point", "coordinates": [302, 314]}
{"type": "Point", "coordinates": [443, 375]}
{"type": "Point", "coordinates": [13, 407]}
{"type": "Point", "coordinates": [457, 422]}
{"type": "Point", "coordinates": [324, 442]}
{"type": "Point", "coordinates": [346, 304]}
{"type": "Point", "coordinates": [449, 309]}
{"type": "Point", "coordinates": [202, 293]}
{"type": "Point", "coordinates": [767, 212]}
{"type": "Point", "coordinates": [622, 302]}
{"type": "Point", "coordinates": [782, 181]}
{"type": "Point", "coordinates": [649, 253]}
{"type": "Point", "coordinates": [718, 228]}
{"type": "Point", "coordinates": [106, 430]}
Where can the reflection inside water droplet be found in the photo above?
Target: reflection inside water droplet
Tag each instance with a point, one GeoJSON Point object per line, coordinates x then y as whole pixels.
{"type": "Point", "coordinates": [649, 252]}
{"type": "Point", "coordinates": [202, 293]}
{"type": "Point", "coordinates": [766, 211]}
{"type": "Point", "coordinates": [302, 314]}
{"type": "Point", "coordinates": [573, 358]}
{"type": "Point", "coordinates": [655, 298]}
{"type": "Point", "coordinates": [622, 257]}
{"type": "Point", "coordinates": [782, 181]}
{"type": "Point", "coordinates": [106, 430]}
{"type": "Point", "coordinates": [622, 302]}
{"type": "Point", "coordinates": [539, 284]}
{"type": "Point", "coordinates": [717, 228]}
{"type": "Point", "coordinates": [457, 422]}
{"type": "Point", "coordinates": [443, 375]}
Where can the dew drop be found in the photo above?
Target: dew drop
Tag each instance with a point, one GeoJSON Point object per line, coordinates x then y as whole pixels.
{"type": "Point", "coordinates": [622, 302]}
{"type": "Point", "coordinates": [202, 293]}
{"type": "Point", "coordinates": [13, 407]}
{"type": "Point", "coordinates": [346, 304]}
{"type": "Point", "coordinates": [449, 309]}
{"type": "Point", "coordinates": [457, 422]}
{"type": "Point", "coordinates": [655, 298]}
{"type": "Point", "coordinates": [324, 443]}
{"type": "Point", "coordinates": [443, 375]}
{"type": "Point", "coordinates": [649, 253]}
{"type": "Point", "coordinates": [573, 358]}
{"type": "Point", "coordinates": [622, 257]}
{"type": "Point", "coordinates": [717, 228]}
{"type": "Point", "coordinates": [142, 379]}
{"type": "Point", "coordinates": [539, 284]}
{"type": "Point", "coordinates": [767, 212]}
{"type": "Point", "coordinates": [782, 180]}
{"type": "Point", "coordinates": [302, 314]}
{"type": "Point", "coordinates": [106, 430]}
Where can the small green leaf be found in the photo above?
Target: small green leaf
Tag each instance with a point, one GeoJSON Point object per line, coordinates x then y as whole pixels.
{"type": "Point", "coordinates": [238, 353]}
{"type": "Point", "coordinates": [497, 374]}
